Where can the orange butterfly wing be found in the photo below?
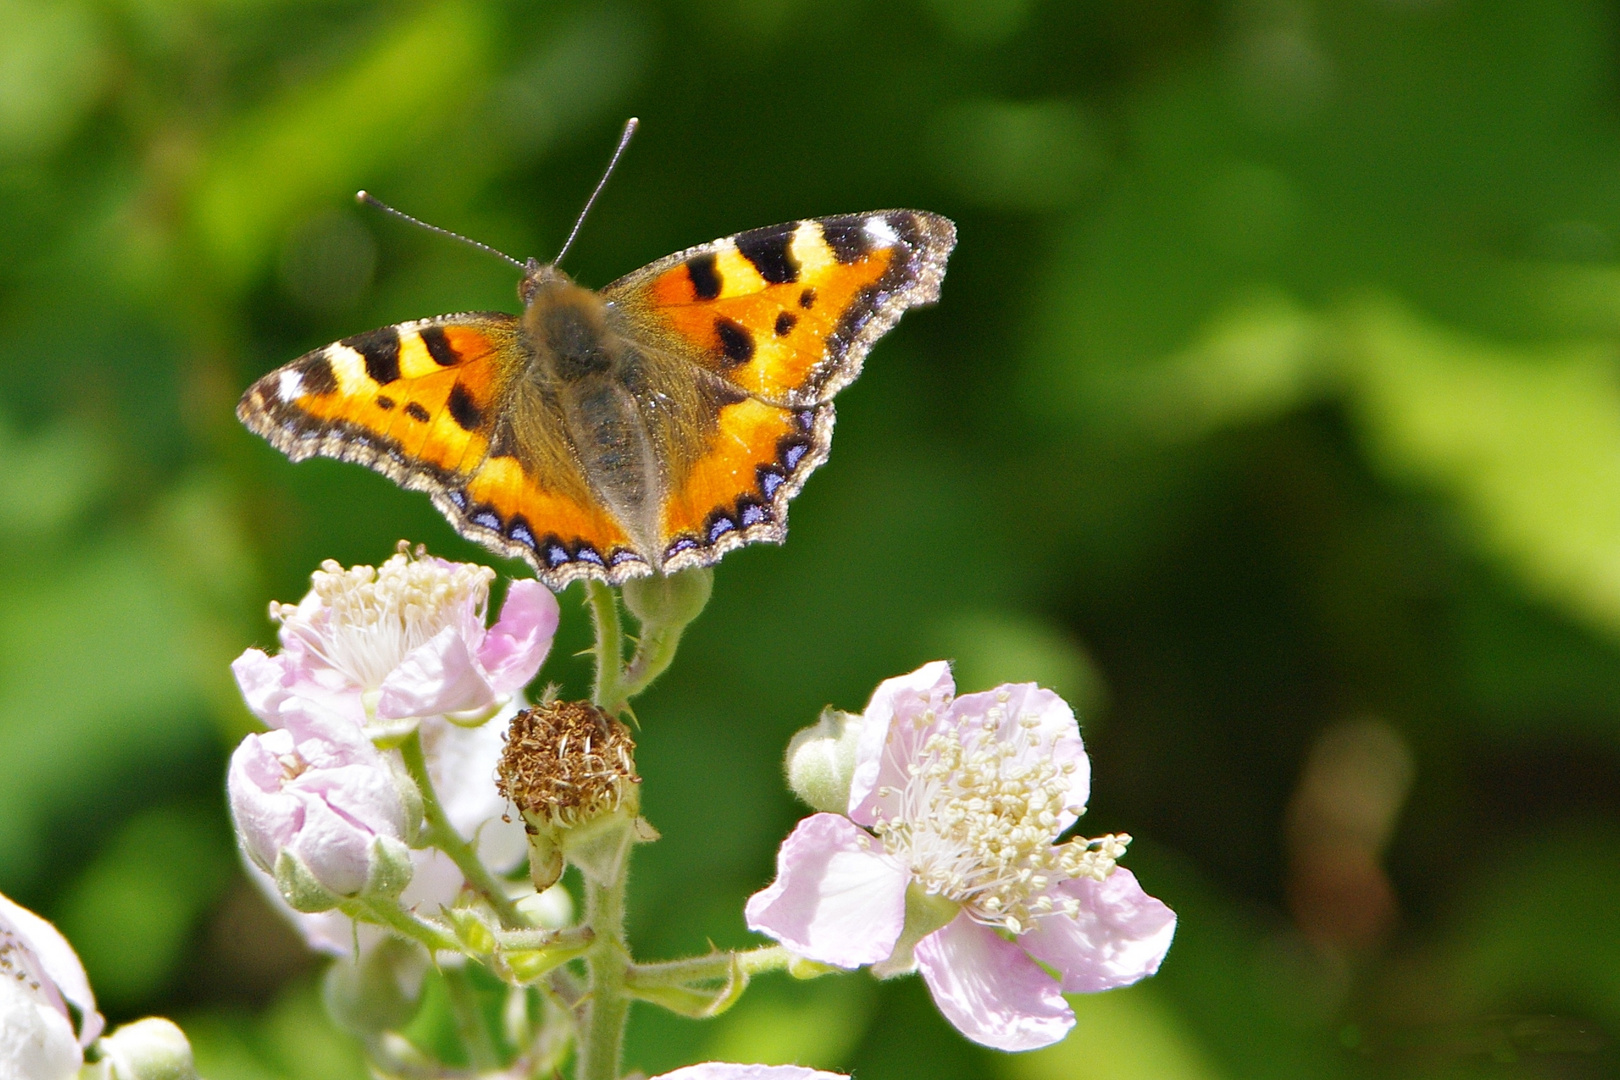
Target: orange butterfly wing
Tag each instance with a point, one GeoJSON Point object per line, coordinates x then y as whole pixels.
{"type": "Point", "coordinates": [429, 404]}
{"type": "Point", "coordinates": [785, 316]}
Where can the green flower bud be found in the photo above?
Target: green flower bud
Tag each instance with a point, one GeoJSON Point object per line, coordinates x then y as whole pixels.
{"type": "Point", "coordinates": [674, 600]}
{"type": "Point", "coordinates": [380, 991]}
{"type": "Point", "coordinates": [150, 1049]}
{"type": "Point", "coordinates": [821, 760]}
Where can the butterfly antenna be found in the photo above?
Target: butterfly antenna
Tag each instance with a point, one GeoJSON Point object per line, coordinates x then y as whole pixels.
{"type": "Point", "coordinates": [371, 200]}
{"type": "Point", "coordinates": [630, 126]}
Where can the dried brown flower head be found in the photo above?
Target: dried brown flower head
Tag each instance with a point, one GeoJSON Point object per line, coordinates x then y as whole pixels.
{"type": "Point", "coordinates": [567, 762]}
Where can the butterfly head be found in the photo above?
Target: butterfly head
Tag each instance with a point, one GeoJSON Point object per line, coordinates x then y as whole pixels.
{"type": "Point", "coordinates": [540, 278]}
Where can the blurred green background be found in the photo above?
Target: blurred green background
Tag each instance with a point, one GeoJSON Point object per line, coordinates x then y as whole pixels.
{"type": "Point", "coordinates": [1271, 413]}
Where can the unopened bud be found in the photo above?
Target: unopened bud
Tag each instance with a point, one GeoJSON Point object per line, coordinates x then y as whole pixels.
{"type": "Point", "coordinates": [821, 760]}
{"type": "Point", "coordinates": [150, 1049]}
{"type": "Point", "coordinates": [569, 769]}
{"type": "Point", "coordinates": [674, 600]}
{"type": "Point", "coordinates": [378, 990]}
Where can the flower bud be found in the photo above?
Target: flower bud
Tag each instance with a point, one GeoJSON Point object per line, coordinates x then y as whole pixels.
{"type": "Point", "coordinates": [821, 760]}
{"type": "Point", "coordinates": [318, 807]}
{"type": "Point", "coordinates": [150, 1049]}
{"type": "Point", "coordinates": [674, 600]}
{"type": "Point", "coordinates": [378, 990]}
{"type": "Point", "coordinates": [569, 769]}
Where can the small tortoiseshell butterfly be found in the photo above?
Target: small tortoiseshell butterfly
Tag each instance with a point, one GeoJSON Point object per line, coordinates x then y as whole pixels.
{"type": "Point", "coordinates": [646, 428]}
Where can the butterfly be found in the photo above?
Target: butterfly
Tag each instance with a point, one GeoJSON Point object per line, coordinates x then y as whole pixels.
{"type": "Point", "coordinates": [647, 427]}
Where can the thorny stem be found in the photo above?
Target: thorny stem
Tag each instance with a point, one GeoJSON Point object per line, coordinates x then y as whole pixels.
{"type": "Point", "coordinates": [443, 835]}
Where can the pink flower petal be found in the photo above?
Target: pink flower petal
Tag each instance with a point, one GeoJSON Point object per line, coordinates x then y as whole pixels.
{"type": "Point", "coordinates": [720, 1071]}
{"type": "Point", "coordinates": [837, 897]}
{"type": "Point", "coordinates": [716, 1070]}
{"type": "Point", "coordinates": [990, 989]}
{"type": "Point", "coordinates": [262, 679]}
{"type": "Point", "coordinates": [1120, 935]}
{"type": "Point", "coordinates": [436, 677]}
{"type": "Point", "coordinates": [517, 644]}
{"type": "Point", "coordinates": [880, 761]}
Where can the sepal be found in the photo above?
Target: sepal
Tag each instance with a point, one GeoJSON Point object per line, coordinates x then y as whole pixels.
{"type": "Point", "coordinates": [925, 913]}
{"type": "Point", "coordinates": [391, 868]}
{"type": "Point", "coordinates": [300, 888]}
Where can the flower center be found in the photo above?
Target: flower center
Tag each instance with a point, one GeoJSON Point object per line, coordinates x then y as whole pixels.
{"type": "Point", "coordinates": [363, 620]}
{"type": "Point", "coordinates": [977, 818]}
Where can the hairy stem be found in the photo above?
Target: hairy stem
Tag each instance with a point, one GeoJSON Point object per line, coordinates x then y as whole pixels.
{"type": "Point", "coordinates": [610, 692]}
{"type": "Point", "coordinates": [389, 913]}
{"type": "Point", "coordinates": [443, 835]}
{"type": "Point", "coordinates": [606, 1006]}
{"type": "Point", "coordinates": [714, 966]}
{"type": "Point", "coordinates": [653, 654]}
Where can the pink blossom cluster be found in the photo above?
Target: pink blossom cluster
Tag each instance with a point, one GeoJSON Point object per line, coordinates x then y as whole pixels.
{"type": "Point", "coordinates": [370, 656]}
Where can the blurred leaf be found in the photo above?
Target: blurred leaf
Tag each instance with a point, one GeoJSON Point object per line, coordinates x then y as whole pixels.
{"type": "Point", "coordinates": [1526, 440]}
{"type": "Point", "coordinates": [292, 1040]}
{"type": "Point", "coordinates": [1126, 1034]}
{"type": "Point", "coordinates": [1025, 156]}
{"type": "Point", "coordinates": [815, 1024]}
{"type": "Point", "coordinates": [53, 63]}
{"type": "Point", "coordinates": [322, 141]}
{"type": "Point", "coordinates": [132, 912]}
{"type": "Point", "coordinates": [989, 648]}
{"type": "Point", "coordinates": [95, 679]}
{"type": "Point", "coordinates": [50, 478]}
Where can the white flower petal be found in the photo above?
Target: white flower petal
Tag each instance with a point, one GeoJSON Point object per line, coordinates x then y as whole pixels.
{"type": "Point", "coordinates": [436, 677]}
{"type": "Point", "coordinates": [716, 1070]}
{"type": "Point", "coordinates": [990, 989]}
{"type": "Point", "coordinates": [836, 899]}
{"type": "Point", "coordinates": [59, 962]}
{"type": "Point", "coordinates": [1119, 936]}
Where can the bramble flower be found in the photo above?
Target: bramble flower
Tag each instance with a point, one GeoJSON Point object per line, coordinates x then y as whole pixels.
{"type": "Point", "coordinates": [47, 1011]}
{"type": "Point", "coordinates": [947, 860]}
{"type": "Point", "coordinates": [390, 644]}
{"type": "Point", "coordinates": [321, 809]}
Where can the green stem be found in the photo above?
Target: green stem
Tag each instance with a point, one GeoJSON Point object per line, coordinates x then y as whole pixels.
{"type": "Point", "coordinates": [610, 694]}
{"type": "Point", "coordinates": [714, 966]}
{"type": "Point", "coordinates": [655, 653]}
{"type": "Point", "coordinates": [443, 835]}
{"type": "Point", "coordinates": [606, 1006]}
{"type": "Point", "coordinates": [389, 913]}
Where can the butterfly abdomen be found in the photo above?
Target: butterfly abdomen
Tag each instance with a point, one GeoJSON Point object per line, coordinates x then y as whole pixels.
{"type": "Point", "coordinates": [577, 357]}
